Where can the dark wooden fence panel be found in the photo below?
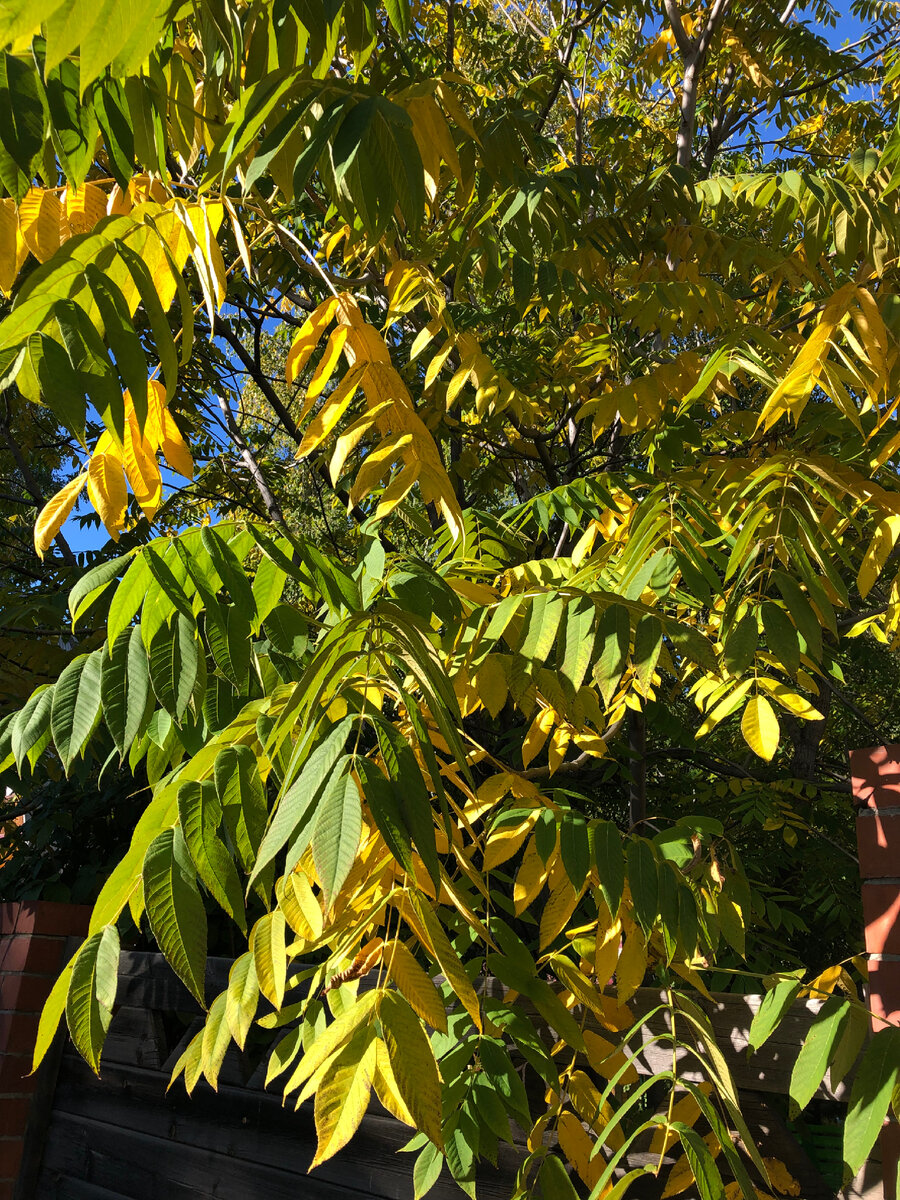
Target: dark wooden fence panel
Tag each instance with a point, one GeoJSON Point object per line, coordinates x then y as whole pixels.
{"type": "Point", "coordinates": [124, 1137]}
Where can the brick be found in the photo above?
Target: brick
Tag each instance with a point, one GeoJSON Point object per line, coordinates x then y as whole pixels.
{"type": "Point", "coordinates": [50, 917]}
{"type": "Point", "coordinates": [25, 993]}
{"type": "Point", "coordinates": [884, 990]}
{"type": "Point", "coordinates": [18, 1032]}
{"type": "Point", "coordinates": [14, 1112]}
{"type": "Point", "coordinates": [14, 1075]}
{"type": "Point", "coordinates": [9, 914]}
{"type": "Point", "coordinates": [878, 840]}
{"type": "Point", "coordinates": [875, 776]}
{"type": "Point", "coordinates": [7, 1189]}
{"type": "Point", "coordinates": [36, 955]}
{"type": "Point", "coordinates": [10, 1157]}
{"type": "Point", "coordinates": [881, 913]}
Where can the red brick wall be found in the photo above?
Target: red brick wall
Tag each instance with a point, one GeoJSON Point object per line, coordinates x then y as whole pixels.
{"type": "Point", "coordinates": [876, 789]}
{"type": "Point", "coordinates": [32, 952]}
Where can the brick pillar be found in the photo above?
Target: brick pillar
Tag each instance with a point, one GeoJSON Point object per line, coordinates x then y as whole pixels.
{"type": "Point", "coordinates": [33, 937]}
{"type": "Point", "coordinates": [875, 780]}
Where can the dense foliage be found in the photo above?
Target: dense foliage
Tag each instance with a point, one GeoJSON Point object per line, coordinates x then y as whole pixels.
{"type": "Point", "coordinates": [493, 414]}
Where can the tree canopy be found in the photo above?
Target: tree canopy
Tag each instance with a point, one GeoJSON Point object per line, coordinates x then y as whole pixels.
{"type": "Point", "coordinates": [493, 413]}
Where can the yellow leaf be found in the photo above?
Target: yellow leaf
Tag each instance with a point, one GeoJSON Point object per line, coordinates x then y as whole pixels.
{"type": "Point", "coordinates": [606, 954]}
{"type": "Point", "coordinates": [270, 955]}
{"type": "Point", "coordinates": [448, 960]}
{"type": "Point", "coordinates": [327, 363]}
{"type": "Point", "coordinates": [780, 1177]}
{"type": "Point", "coordinates": [84, 206]}
{"type": "Point", "coordinates": [107, 492]}
{"type": "Point", "coordinates": [794, 703]}
{"type": "Point", "coordinates": [824, 984]}
{"type": "Point", "coordinates": [331, 1039]}
{"type": "Point", "coordinates": [607, 1060]}
{"type": "Point", "coordinates": [13, 250]}
{"type": "Point", "coordinates": [307, 338]}
{"type": "Point", "coordinates": [632, 964]}
{"type": "Point", "coordinates": [412, 1061]}
{"type": "Point", "coordinates": [175, 449]}
{"type": "Point", "coordinates": [760, 727]}
{"type": "Point", "coordinates": [39, 218]}
{"type": "Point", "coordinates": [506, 841]}
{"type": "Point", "coordinates": [492, 685]}
{"type": "Point", "coordinates": [53, 514]}
{"type": "Point", "coordinates": [586, 1102]}
{"type": "Point", "coordinates": [577, 1145]}
{"type": "Point", "coordinates": [883, 541]}
{"type": "Point", "coordinates": [308, 905]}
{"type": "Point", "coordinates": [531, 877]}
{"type": "Point", "coordinates": [386, 1085]}
{"type": "Point", "coordinates": [557, 911]}
{"type": "Point", "coordinates": [415, 985]}
{"type": "Point", "coordinates": [537, 734]}
{"type": "Point", "coordinates": [343, 1095]}
{"type": "Point", "coordinates": [687, 1111]}
{"type": "Point", "coordinates": [331, 411]}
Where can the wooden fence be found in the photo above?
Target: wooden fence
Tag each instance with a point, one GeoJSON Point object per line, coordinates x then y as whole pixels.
{"type": "Point", "coordinates": [123, 1137]}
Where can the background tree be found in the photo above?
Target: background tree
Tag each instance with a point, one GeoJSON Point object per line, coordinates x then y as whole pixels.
{"type": "Point", "coordinates": [569, 513]}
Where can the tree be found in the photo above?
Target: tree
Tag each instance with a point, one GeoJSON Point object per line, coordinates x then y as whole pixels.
{"type": "Point", "coordinates": [589, 323]}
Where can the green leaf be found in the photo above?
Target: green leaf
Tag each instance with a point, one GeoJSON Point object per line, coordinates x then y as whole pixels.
{"type": "Point", "coordinates": [870, 1096]}
{"type": "Point", "coordinates": [648, 637]}
{"type": "Point", "coordinates": [115, 125]}
{"type": "Point", "coordinates": [73, 124]}
{"type": "Point", "coordinates": [21, 115]}
{"type": "Point", "coordinates": [294, 808]}
{"type": "Point", "coordinates": [703, 1165]}
{"type": "Point", "coordinates": [816, 1051]}
{"type": "Point", "coordinates": [92, 365]}
{"type": "Point", "coordinates": [775, 1005]}
{"type": "Point", "coordinates": [554, 1180]}
{"type": "Point", "coordinates": [159, 325]}
{"type": "Point", "coordinates": [243, 800]}
{"type": "Point", "coordinates": [613, 636]}
{"type": "Point", "coordinates": [268, 585]}
{"type": "Point", "coordinates": [93, 584]}
{"type": "Point", "coordinates": [579, 645]}
{"type": "Point", "coordinates": [76, 706]}
{"type": "Point", "coordinates": [52, 1013]}
{"type": "Point", "coordinates": [228, 634]}
{"type": "Point", "coordinates": [128, 598]}
{"type": "Point", "coordinates": [848, 1049]}
{"type": "Point", "coordinates": [267, 942]}
{"type": "Point", "coordinates": [381, 795]}
{"type": "Point", "coordinates": [125, 688]}
{"type": "Point", "coordinates": [415, 802]}
{"type": "Point", "coordinates": [242, 997]}
{"type": "Point", "coordinates": [92, 994]}
{"type": "Point", "coordinates": [608, 856]}
{"type": "Point", "coordinates": [427, 1170]}
{"type": "Point", "coordinates": [122, 339]}
{"type": "Point", "coordinates": [61, 386]}
{"type": "Point", "coordinates": [398, 12]}
{"type": "Point", "coordinates": [740, 646]}
{"type": "Point", "coordinates": [338, 828]}
{"type": "Point", "coordinates": [174, 654]}
{"type": "Point", "coordinates": [174, 908]}
{"type": "Point", "coordinates": [644, 882]}
{"type": "Point", "coordinates": [200, 814]}
{"type": "Point", "coordinates": [575, 848]}
{"type": "Point", "coordinates": [30, 730]}
{"type": "Point", "coordinates": [231, 572]}
{"type": "Point", "coordinates": [781, 636]}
